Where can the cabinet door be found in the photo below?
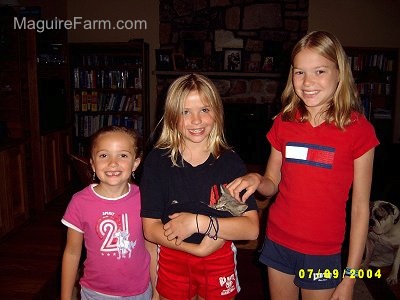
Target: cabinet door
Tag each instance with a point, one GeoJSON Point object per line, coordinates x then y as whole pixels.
{"type": "Point", "coordinates": [13, 190]}
{"type": "Point", "coordinates": [55, 149]}
{"type": "Point", "coordinates": [5, 207]}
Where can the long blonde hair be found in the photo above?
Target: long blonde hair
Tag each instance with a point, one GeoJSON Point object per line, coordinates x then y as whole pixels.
{"type": "Point", "coordinates": [170, 137]}
{"type": "Point", "coordinates": [345, 99]}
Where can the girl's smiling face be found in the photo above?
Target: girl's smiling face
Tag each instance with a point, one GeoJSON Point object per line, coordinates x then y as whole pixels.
{"type": "Point", "coordinates": [315, 79]}
{"type": "Point", "coordinates": [114, 158]}
{"type": "Point", "coordinates": [197, 120]}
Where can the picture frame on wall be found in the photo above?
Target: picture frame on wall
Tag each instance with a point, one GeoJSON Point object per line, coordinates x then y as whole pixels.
{"type": "Point", "coordinates": [268, 64]}
{"type": "Point", "coordinates": [252, 66]}
{"type": "Point", "coordinates": [164, 60]}
{"type": "Point", "coordinates": [193, 64]}
{"type": "Point", "coordinates": [233, 60]}
{"type": "Point", "coordinates": [179, 62]}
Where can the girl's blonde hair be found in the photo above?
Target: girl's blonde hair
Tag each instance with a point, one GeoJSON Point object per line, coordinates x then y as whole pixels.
{"type": "Point", "coordinates": [131, 133]}
{"type": "Point", "coordinates": [345, 99]}
{"type": "Point", "coordinates": [170, 137]}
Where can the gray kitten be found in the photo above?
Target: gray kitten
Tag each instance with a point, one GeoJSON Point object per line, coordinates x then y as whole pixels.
{"type": "Point", "coordinates": [228, 203]}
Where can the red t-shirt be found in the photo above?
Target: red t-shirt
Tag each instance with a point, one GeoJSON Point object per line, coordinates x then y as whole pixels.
{"type": "Point", "coordinates": [309, 212]}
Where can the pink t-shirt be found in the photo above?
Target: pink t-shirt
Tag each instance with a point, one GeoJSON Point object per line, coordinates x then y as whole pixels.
{"type": "Point", "coordinates": [309, 212]}
{"type": "Point", "coordinates": [117, 262]}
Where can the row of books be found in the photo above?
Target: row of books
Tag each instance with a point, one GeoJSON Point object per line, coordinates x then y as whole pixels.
{"type": "Point", "coordinates": [107, 79]}
{"type": "Point", "coordinates": [381, 113]}
{"type": "Point", "coordinates": [374, 88]}
{"type": "Point", "coordinates": [97, 101]}
{"type": "Point", "coordinates": [85, 126]}
{"type": "Point", "coordinates": [363, 62]}
{"type": "Point", "coordinates": [106, 60]}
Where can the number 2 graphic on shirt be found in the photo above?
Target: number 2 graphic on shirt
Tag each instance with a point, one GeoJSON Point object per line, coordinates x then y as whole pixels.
{"type": "Point", "coordinates": [107, 226]}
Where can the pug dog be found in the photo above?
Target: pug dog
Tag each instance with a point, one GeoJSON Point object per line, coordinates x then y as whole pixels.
{"type": "Point", "coordinates": [383, 240]}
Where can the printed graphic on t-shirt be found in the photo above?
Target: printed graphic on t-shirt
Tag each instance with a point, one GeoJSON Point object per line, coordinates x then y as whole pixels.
{"type": "Point", "coordinates": [113, 229]}
{"type": "Point", "coordinates": [310, 154]}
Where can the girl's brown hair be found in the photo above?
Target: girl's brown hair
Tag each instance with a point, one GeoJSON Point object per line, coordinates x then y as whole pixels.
{"type": "Point", "coordinates": [121, 129]}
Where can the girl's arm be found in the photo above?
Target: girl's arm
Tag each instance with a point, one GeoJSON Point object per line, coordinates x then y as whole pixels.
{"type": "Point", "coordinates": [154, 232]}
{"type": "Point", "coordinates": [183, 225]}
{"type": "Point", "coordinates": [244, 227]}
{"type": "Point", "coordinates": [266, 185]}
{"type": "Point", "coordinates": [70, 263]}
{"type": "Point", "coordinates": [359, 218]}
{"type": "Point", "coordinates": [152, 248]}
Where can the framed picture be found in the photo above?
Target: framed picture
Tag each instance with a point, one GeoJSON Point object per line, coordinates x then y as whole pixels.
{"type": "Point", "coordinates": [232, 60]}
{"type": "Point", "coordinates": [268, 64]}
{"type": "Point", "coordinates": [252, 66]}
{"type": "Point", "coordinates": [179, 62]}
{"type": "Point", "coordinates": [194, 63]}
{"type": "Point", "coordinates": [164, 60]}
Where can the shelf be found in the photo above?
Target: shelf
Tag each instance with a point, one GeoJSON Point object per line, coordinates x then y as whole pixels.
{"type": "Point", "coordinates": [109, 87]}
{"type": "Point", "coordinates": [375, 74]}
{"type": "Point", "coordinates": [219, 74]}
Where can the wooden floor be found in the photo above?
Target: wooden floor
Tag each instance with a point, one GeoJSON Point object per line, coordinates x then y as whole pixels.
{"type": "Point", "coordinates": [30, 259]}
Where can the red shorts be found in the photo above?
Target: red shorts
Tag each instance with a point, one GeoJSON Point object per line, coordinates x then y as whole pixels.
{"type": "Point", "coordinates": [182, 275]}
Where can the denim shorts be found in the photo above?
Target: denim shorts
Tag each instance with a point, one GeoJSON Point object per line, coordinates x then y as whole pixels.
{"type": "Point", "coordinates": [88, 294]}
{"type": "Point", "coordinates": [311, 272]}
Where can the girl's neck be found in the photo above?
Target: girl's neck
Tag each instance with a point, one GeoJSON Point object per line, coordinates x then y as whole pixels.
{"type": "Point", "coordinates": [316, 117]}
{"type": "Point", "coordinates": [111, 191]}
{"type": "Point", "coordinates": [316, 120]}
{"type": "Point", "coordinates": [196, 156]}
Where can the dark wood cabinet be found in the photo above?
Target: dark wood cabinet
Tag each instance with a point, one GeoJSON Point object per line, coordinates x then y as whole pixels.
{"type": "Point", "coordinates": [13, 188]}
{"type": "Point", "coordinates": [56, 168]}
{"type": "Point", "coordinates": [31, 93]}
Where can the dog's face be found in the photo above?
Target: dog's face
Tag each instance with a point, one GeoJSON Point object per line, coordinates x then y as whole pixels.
{"type": "Point", "coordinates": [383, 216]}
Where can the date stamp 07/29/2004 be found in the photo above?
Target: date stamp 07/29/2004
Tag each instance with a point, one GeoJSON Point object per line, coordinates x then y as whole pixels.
{"type": "Point", "coordinates": [335, 273]}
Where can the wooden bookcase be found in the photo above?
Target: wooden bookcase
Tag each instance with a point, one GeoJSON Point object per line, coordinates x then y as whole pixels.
{"type": "Point", "coordinates": [110, 83]}
{"type": "Point", "coordinates": [375, 73]}
{"type": "Point", "coordinates": [33, 120]}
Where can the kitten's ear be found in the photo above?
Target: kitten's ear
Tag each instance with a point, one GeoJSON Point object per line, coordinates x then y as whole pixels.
{"type": "Point", "coordinates": [223, 190]}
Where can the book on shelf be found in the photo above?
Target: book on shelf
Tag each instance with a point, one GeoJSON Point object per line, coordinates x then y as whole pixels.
{"type": "Point", "coordinates": [381, 113]}
{"type": "Point", "coordinates": [129, 105]}
{"type": "Point", "coordinates": [84, 101]}
{"type": "Point", "coordinates": [89, 101]}
{"type": "Point", "coordinates": [94, 102]}
{"type": "Point", "coordinates": [77, 102]}
{"type": "Point", "coordinates": [138, 103]}
{"type": "Point", "coordinates": [122, 103]}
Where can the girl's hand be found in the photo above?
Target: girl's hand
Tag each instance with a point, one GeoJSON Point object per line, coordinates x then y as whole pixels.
{"type": "Point", "coordinates": [209, 246]}
{"type": "Point", "coordinates": [156, 295]}
{"type": "Point", "coordinates": [344, 291]}
{"type": "Point", "coordinates": [248, 182]}
{"type": "Point", "coordinates": [181, 226]}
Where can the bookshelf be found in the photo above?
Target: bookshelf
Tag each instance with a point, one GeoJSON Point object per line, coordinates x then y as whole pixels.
{"type": "Point", "coordinates": [375, 73]}
{"type": "Point", "coordinates": [109, 87]}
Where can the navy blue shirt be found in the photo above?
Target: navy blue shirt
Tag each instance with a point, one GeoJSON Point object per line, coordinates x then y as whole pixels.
{"type": "Point", "coordinates": [163, 184]}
